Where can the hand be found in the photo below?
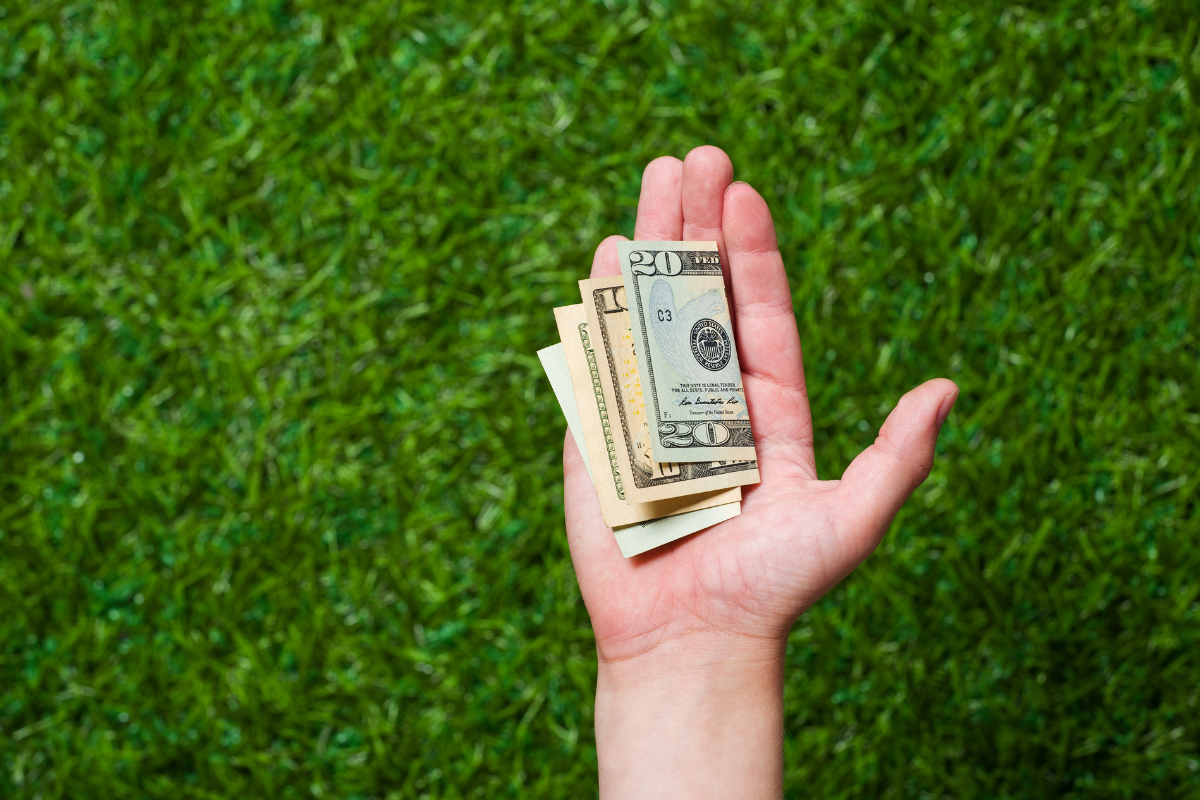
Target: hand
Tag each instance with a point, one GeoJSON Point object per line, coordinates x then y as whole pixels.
{"type": "Point", "coordinates": [702, 622]}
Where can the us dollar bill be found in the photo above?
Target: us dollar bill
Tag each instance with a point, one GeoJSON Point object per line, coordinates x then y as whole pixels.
{"type": "Point", "coordinates": [608, 474]}
{"type": "Point", "coordinates": [616, 372]}
{"type": "Point", "coordinates": [641, 536]}
{"type": "Point", "coordinates": [683, 341]}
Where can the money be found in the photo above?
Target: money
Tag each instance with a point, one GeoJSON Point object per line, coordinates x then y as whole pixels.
{"type": "Point", "coordinates": [682, 331]}
{"type": "Point", "coordinates": [617, 372]}
{"type": "Point", "coordinates": [611, 475]}
{"type": "Point", "coordinates": [639, 537]}
{"type": "Point", "coordinates": [642, 536]}
{"type": "Point", "coordinates": [697, 415]}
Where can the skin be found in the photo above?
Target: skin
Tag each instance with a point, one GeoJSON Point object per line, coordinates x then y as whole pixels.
{"type": "Point", "coordinates": [691, 636]}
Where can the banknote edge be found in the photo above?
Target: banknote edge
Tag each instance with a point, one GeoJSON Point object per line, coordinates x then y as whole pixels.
{"type": "Point", "coordinates": [632, 540]}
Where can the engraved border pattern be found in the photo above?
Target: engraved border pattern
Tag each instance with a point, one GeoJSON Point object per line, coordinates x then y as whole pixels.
{"type": "Point", "coordinates": [609, 444]}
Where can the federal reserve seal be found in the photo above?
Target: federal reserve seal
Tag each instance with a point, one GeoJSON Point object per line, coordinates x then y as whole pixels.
{"type": "Point", "coordinates": [710, 345]}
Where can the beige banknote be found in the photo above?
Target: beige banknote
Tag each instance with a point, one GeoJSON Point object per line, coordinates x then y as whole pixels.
{"type": "Point", "coordinates": [642, 536]}
{"type": "Point", "coordinates": [617, 374]}
{"type": "Point", "coordinates": [611, 477]}
{"type": "Point", "coordinates": [683, 339]}
{"type": "Point", "coordinates": [639, 537]}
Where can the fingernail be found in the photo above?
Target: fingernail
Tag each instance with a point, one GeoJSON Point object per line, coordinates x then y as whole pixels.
{"type": "Point", "coordinates": [736, 183]}
{"type": "Point", "coordinates": [944, 408]}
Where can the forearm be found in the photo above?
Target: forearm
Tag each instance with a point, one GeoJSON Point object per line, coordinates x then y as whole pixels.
{"type": "Point", "coordinates": [697, 718]}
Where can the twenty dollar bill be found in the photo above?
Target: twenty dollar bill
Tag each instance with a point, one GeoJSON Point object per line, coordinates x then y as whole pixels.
{"type": "Point", "coordinates": [683, 341]}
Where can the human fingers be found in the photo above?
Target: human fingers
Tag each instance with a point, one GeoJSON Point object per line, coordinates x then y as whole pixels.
{"type": "Point", "coordinates": [660, 213]}
{"type": "Point", "coordinates": [707, 173]}
{"type": "Point", "coordinates": [768, 342]}
{"type": "Point", "coordinates": [605, 263]}
{"type": "Point", "coordinates": [878, 482]}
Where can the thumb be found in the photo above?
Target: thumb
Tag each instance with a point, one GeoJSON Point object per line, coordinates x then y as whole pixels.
{"type": "Point", "coordinates": [878, 482]}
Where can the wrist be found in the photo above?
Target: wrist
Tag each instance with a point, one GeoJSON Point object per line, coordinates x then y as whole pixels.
{"type": "Point", "coordinates": [703, 658]}
{"type": "Point", "coordinates": [699, 716]}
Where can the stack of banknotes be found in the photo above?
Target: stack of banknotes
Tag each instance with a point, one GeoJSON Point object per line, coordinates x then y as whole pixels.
{"type": "Point", "coordinates": [648, 378]}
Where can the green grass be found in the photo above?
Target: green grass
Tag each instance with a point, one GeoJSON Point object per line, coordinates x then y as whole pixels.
{"type": "Point", "coordinates": [280, 490]}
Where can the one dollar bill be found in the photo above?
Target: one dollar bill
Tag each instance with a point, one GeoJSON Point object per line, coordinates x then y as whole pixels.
{"type": "Point", "coordinates": [683, 341]}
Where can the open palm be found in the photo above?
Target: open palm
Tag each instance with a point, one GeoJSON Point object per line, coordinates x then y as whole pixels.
{"type": "Point", "coordinates": [797, 536]}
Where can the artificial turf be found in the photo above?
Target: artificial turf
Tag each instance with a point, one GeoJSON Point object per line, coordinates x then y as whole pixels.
{"type": "Point", "coordinates": [280, 483]}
